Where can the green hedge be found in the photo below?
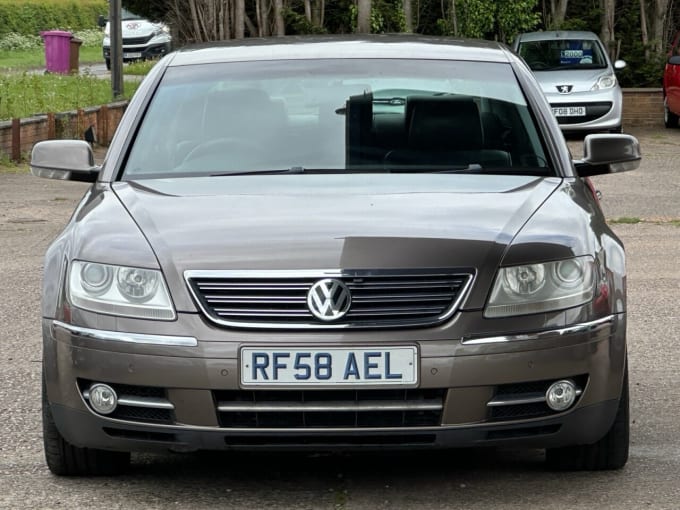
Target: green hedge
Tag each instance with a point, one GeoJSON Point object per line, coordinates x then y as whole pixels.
{"type": "Point", "coordinates": [30, 17]}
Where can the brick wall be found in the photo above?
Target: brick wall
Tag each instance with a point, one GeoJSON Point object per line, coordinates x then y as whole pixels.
{"type": "Point", "coordinates": [67, 125]}
{"type": "Point", "coordinates": [642, 108]}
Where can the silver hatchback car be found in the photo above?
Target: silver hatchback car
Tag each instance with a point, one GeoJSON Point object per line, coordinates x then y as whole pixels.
{"type": "Point", "coordinates": [577, 77]}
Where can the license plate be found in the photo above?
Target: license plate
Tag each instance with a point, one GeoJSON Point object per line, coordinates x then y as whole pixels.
{"type": "Point", "coordinates": [569, 111]}
{"type": "Point", "coordinates": [329, 366]}
{"type": "Point", "coordinates": [132, 55]}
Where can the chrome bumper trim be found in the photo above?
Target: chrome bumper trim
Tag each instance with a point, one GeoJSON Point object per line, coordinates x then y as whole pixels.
{"type": "Point", "coordinates": [132, 401]}
{"type": "Point", "coordinates": [119, 336]}
{"type": "Point", "coordinates": [516, 401]}
{"type": "Point", "coordinates": [585, 327]}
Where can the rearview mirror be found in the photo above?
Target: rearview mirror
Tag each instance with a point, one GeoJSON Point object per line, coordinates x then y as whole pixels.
{"type": "Point", "coordinates": [64, 160]}
{"type": "Point", "coordinates": [620, 64]}
{"type": "Point", "coordinates": [605, 154]}
{"type": "Point", "coordinates": [674, 60]}
{"type": "Point", "coordinates": [101, 21]}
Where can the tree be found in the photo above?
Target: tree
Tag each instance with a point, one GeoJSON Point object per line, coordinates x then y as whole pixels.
{"type": "Point", "coordinates": [239, 19]}
{"type": "Point", "coordinates": [660, 17]}
{"type": "Point", "coordinates": [279, 25]}
{"type": "Point", "coordinates": [364, 16]}
{"type": "Point", "coordinates": [558, 11]}
{"type": "Point", "coordinates": [645, 23]}
{"type": "Point", "coordinates": [407, 7]}
{"type": "Point", "coordinates": [607, 22]}
{"type": "Point", "coordinates": [514, 17]}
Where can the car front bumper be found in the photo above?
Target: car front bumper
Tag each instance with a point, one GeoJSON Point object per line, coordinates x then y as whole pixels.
{"type": "Point", "coordinates": [194, 378]}
{"type": "Point", "coordinates": [151, 51]}
{"type": "Point", "coordinates": [604, 110]}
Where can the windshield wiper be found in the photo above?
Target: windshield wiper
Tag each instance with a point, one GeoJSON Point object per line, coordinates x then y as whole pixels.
{"type": "Point", "coordinates": [472, 167]}
{"type": "Point", "coordinates": [434, 169]}
{"type": "Point", "coordinates": [291, 170]}
{"type": "Point", "coordinates": [571, 67]}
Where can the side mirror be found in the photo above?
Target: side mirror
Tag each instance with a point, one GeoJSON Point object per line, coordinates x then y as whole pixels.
{"type": "Point", "coordinates": [620, 64]}
{"type": "Point", "coordinates": [607, 154]}
{"type": "Point", "coordinates": [65, 160]}
{"type": "Point", "coordinates": [674, 60]}
{"type": "Point", "coordinates": [101, 21]}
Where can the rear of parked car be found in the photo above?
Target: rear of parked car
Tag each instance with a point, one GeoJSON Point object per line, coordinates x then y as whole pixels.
{"type": "Point", "coordinates": [578, 78]}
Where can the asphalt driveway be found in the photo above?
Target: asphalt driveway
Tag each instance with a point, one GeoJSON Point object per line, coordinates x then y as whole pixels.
{"type": "Point", "coordinates": [644, 209]}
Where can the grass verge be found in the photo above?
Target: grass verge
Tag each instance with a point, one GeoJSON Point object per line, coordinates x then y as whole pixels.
{"type": "Point", "coordinates": [624, 220]}
{"type": "Point", "coordinates": [139, 68]}
{"type": "Point", "coordinates": [653, 221]}
{"type": "Point", "coordinates": [24, 95]}
{"type": "Point", "coordinates": [25, 60]}
{"type": "Point", "coordinates": [9, 167]}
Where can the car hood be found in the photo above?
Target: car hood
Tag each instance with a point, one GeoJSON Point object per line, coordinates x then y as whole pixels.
{"type": "Point", "coordinates": [360, 221]}
{"type": "Point", "coordinates": [132, 28]}
{"type": "Point", "coordinates": [581, 80]}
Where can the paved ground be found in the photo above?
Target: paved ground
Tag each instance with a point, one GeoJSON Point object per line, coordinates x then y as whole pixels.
{"type": "Point", "coordinates": [33, 210]}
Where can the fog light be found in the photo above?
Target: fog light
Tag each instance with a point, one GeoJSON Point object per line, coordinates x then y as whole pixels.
{"type": "Point", "coordinates": [103, 398]}
{"type": "Point", "coordinates": [561, 395]}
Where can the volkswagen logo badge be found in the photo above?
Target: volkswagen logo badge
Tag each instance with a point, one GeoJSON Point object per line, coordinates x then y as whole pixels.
{"type": "Point", "coordinates": [329, 299]}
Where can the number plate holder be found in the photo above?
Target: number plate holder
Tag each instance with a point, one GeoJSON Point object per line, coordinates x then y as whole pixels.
{"type": "Point", "coordinates": [329, 366]}
{"type": "Point", "coordinates": [569, 111]}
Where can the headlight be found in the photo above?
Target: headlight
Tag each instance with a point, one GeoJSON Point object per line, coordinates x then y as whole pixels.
{"type": "Point", "coordinates": [119, 290]}
{"type": "Point", "coordinates": [160, 30]}
{"type": "Point", "coordinates": [536, 288]}
{"type": "Point", "coordinates": [604, 82]}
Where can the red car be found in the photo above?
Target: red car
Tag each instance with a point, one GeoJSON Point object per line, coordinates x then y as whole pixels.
{"type": "Point", "coordinates": [671, 85]}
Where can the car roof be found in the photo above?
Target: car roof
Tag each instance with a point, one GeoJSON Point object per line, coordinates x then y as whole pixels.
{"type": "Point", "coordinates": [558, 34]}
{"type": "Point", "coordinates": [402, 46]}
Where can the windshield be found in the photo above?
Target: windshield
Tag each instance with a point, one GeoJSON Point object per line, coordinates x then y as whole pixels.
{"type": "Point", "coordinates": [558, 54]}
{"type": "Point", "coordinates": [337, 115]}
{"type": "Point", "coordinates": [126, 15]}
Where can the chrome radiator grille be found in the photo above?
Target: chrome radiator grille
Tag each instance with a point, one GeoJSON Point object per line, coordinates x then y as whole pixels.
{"type": "Point", "coordinates": [279, 299]}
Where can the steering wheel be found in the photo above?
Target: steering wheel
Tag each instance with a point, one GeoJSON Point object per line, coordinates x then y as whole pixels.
{"type": "Point", "coordinates": [223, 154]}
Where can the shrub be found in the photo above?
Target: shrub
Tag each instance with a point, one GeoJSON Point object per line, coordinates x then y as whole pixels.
{"type": "Point", "coordinates": [30, 17]}
{"type": "Point", "coordinates": [14, 41]}
{"type": "Point", "coordinates": [90, 37]}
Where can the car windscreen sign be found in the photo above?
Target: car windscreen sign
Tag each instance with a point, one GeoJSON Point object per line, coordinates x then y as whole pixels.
{"type": "Point", "coordinates": [574, 55]}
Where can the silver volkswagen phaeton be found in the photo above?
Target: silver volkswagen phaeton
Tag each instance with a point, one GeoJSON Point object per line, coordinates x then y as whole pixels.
{"type": "Point", "coordinates": [577, 77]}
{"type": "Point", "coordinates": [327, 244]}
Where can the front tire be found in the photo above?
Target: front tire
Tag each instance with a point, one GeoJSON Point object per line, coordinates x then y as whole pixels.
{"type": "Point", "coordinates": [670, 120]}
{"type": "Point", "coordinates": [610, 452]}
{"type": "Point", "coordinates": [64, 459]}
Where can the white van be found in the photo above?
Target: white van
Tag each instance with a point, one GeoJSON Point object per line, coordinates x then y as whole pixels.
{"type": "Point", "coordinates": [142, 39]}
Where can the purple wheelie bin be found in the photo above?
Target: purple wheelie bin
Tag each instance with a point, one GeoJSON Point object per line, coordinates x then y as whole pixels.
{"type": "Point", "coordinates": [57, 51]}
